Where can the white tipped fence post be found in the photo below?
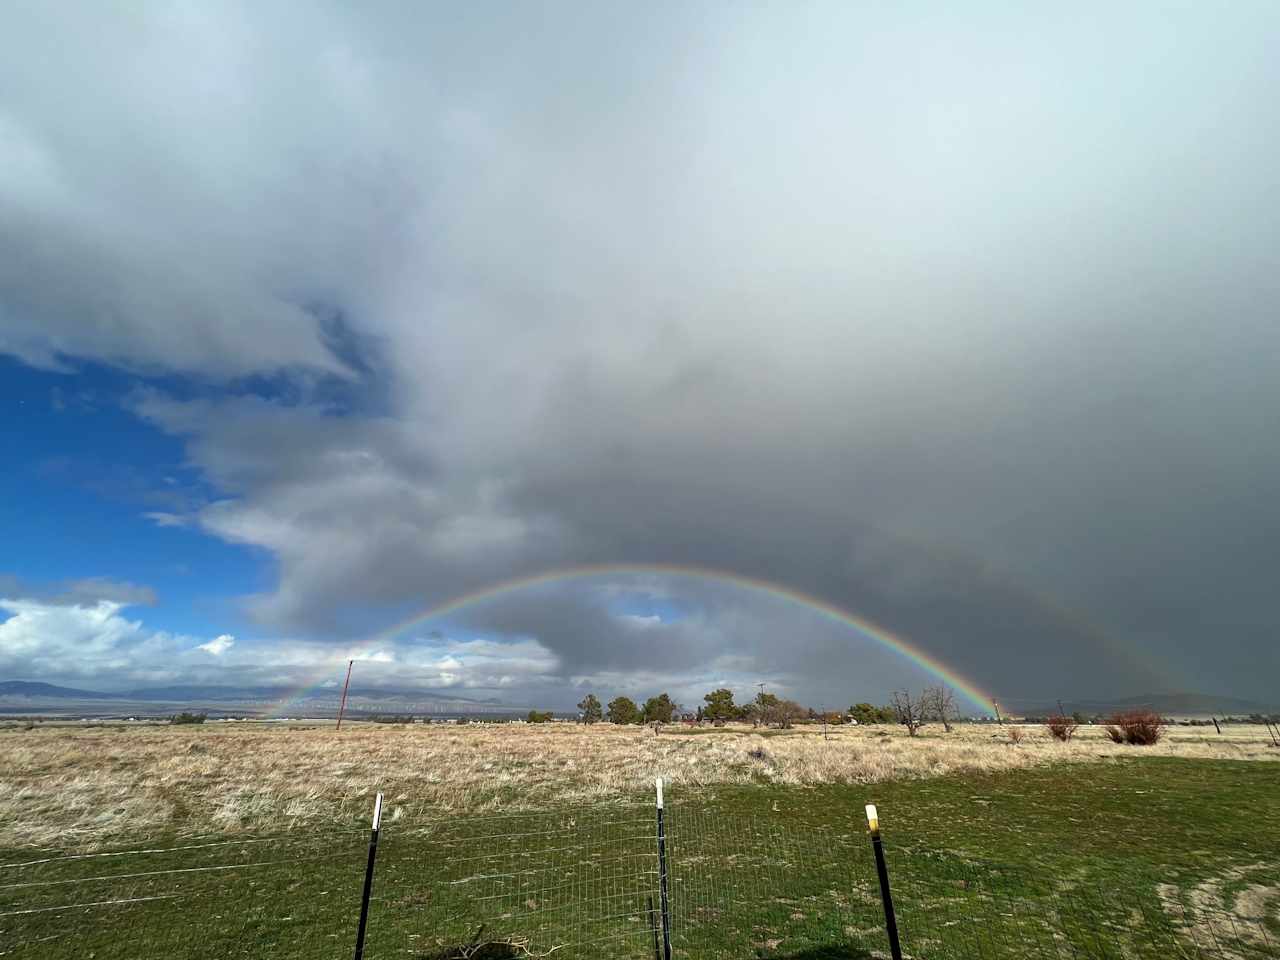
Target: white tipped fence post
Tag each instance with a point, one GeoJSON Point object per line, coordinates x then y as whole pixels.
{"type": "Point", "coordinates": [882, 872]}
{"type": "Point", "coordinates": [368, 877]}
{"type": "Point", "coordinates": [662, 879]}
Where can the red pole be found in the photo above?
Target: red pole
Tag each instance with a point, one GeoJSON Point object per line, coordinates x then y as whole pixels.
{"type": "Point", "coordinates": [342, 706]}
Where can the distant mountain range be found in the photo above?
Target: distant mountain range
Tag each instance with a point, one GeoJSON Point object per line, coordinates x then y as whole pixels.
{"type": "Point", "coordinates": [33, 688]}
{"type": "Point", "coordinates": [34, 694]}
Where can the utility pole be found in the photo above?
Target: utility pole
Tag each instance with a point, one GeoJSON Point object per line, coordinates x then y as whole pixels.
{"type": "Point", "coordinates": [999, 719]}
{"type": "Point", "coordinates": [343, 705]}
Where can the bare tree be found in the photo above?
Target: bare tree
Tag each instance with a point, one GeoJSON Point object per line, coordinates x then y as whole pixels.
{"type": "Point", "coordinates": [789, 711]}
{"type": "Point", "coordinates": [770, 710]}
{"type": "Point", "coordinates": [909, 710]}
{"type": "Point", "coordinates": [939, 703]}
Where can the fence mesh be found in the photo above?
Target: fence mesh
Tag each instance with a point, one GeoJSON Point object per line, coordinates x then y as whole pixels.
{"type": "Point", "coordinates": [200, 898]}
{"type": "Point", "coordinates": [579, 883]}
{"type": "Point", "coordinates": [750, 884]}
{"type": "Point", "coordinates": [576, 883]}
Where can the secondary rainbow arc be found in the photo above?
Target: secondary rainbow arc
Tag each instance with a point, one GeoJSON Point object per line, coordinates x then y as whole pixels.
{"type": "Point", "coordinates": [866, 628]}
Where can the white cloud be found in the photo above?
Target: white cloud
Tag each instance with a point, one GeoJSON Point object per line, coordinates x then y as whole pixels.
{"type": "Point", "coordinates": [218, 645]}
{"type": "Point", "coordinates": [42, 639]}
{"type": "Point", "coordinates": [36, 628]}
{"type": "Point", "coordinates": [162, 519]}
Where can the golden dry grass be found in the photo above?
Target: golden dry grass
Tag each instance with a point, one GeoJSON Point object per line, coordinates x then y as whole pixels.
{"type": "Point", "coordinates": [75, 786]}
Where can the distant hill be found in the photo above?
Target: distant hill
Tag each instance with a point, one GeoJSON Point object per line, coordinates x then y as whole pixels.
{"type": "Point", "coordinates": [205, 692]}
{"type": "Point", "coordinates": [1167, 704]}
{"type": "Point", "coordinates": [243, 694]}
{"type": "Point", "coordinates": [37, 689]}
{"type": "Point", "coordinates": [47, 697]}
{"type": "Point", "coordinates": [33, 688]}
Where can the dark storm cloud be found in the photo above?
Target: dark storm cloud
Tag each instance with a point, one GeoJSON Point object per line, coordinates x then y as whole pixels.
{"type": "Point", "coordinates": [959, 320]}
{"type": "Point", "coordinates": [588, 639]}
{"type": "Point", "coordinates": [86, 591]}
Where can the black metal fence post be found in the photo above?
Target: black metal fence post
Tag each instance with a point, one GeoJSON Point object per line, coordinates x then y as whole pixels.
{"type": "Point", "coordinates": [368, 877]}
{"type": "Point", "coordinates": [653, 925]}
{"type": "Point", "coordinates": [890, 920]}
{"type": "Point", "coordinates": [662, 880]}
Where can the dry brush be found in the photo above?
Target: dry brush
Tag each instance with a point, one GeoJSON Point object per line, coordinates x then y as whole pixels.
{"type": "Point", "coordinates": [73, 787]}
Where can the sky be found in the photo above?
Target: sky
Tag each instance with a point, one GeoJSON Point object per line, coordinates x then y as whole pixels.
{"type": "Point", "coordinates": [961, 320]}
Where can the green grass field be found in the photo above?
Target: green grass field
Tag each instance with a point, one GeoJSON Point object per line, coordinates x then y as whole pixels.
{"type": "Point", "coordinates": [1139, 858]}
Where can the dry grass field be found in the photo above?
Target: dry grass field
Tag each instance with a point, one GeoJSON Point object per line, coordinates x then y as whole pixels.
{"type": "Point", "coordinates": [81, 786]}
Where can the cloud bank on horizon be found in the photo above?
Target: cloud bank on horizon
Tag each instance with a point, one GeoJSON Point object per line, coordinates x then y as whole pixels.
{"type": "Point", "coordinates": [959, 320]}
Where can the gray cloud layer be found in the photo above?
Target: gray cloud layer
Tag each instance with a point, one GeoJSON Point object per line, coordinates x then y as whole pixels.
{"type": "Point", "coordinates": [962, 320]}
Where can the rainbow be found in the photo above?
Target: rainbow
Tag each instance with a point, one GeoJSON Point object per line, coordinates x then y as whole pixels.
{"type": "Point", "coordinates": [861, 625]}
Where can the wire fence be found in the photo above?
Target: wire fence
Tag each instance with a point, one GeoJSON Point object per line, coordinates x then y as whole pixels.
{"type": "Point", "coordinates": [568, 882]}
{"type": "Point", "coordinates": [587, 883]}
{"type": "Point", "coordinates": [752, 885]}
{"type": "Point", "coordinates": [210, 897]}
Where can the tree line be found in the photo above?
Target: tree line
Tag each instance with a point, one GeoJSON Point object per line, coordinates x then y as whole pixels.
{"type": "Point", "coordinates": [659, 709]}
{"type": "Point", "coordinates": [933, 704]}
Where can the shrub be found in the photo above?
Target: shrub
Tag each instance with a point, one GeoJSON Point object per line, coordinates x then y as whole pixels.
{"type": "Point", "coordinates": [536, 717]}
{"type": "Point", "coordinates": [1016, 735]}
{"type": "Point", "coordinates": [188, 717]}
{"type": "Point", "coordinates": [1061, 728]}
{"type": "Point", "coordinates": [1139, 728]}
